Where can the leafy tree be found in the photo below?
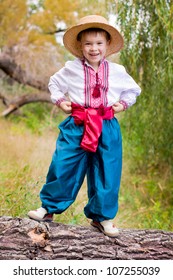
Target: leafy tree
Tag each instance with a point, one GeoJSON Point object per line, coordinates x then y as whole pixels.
{"type": "Point", "coordinates": [148, 55]}
{"type": "Point", "coordinates": [22, 21]}
{"type": "Point", "coordinates": [13, 18]}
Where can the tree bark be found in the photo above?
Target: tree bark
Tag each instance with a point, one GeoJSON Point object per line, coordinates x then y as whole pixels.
{"type": "Point", "coordinates": [25, 239]}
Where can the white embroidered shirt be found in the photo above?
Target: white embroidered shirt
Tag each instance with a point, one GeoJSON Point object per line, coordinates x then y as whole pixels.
{"type": "Point", "coordinates": [71, 80]}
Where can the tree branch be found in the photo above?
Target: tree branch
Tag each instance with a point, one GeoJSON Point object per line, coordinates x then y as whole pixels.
{"type": "Point", "coordinates": [9, 66]}
{"type": "Point", "coordinates": [56, 31]}
{"type": "Point", "coordinates": [5, 100]}
{"type": "Point", "coordinates": [19, 101]}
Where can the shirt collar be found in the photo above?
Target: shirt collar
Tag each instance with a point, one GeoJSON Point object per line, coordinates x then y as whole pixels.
{"type": "Point", "coordinates": [85, 61]}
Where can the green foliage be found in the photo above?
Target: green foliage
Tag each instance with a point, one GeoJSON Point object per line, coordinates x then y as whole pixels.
{"type": "Point", "coordinates": [145, 202]}
{"type": "Point", "coordinates": [34, 116]}
{"type": "Point", "coordinates": [148, 57]}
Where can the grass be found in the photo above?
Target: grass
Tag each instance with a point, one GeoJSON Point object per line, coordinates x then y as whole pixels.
{"type": "Point", "coordinates": [145, 202]}
{"type": "Point", "coordinates": [27, 143]}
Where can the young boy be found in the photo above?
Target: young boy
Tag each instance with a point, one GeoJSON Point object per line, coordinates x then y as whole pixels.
{"type": "Point", "coordinates": [92, 90]}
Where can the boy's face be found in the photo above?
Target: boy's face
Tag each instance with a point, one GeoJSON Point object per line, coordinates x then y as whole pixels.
{"type": "Point", "coordinates": [94, 46]}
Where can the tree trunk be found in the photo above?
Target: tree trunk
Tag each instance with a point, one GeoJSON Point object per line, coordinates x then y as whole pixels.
{"type": "Point", "coordinates": [26, 239]}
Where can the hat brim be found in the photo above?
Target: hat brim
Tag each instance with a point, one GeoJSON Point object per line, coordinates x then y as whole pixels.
{"type": "Point", "coordinates": [71, 43]}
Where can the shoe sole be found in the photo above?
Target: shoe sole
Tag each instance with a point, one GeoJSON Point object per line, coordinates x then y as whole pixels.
{"type": "Point", "coordinates": [101, 228]}
{"type": "Point", "coordinates": [41, 220]}
{"type": "Point", "coordinates": [48, 220]}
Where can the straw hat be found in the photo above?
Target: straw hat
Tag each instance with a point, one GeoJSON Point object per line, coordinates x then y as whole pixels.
{"type": "Point", "coordinates": [92, 21]}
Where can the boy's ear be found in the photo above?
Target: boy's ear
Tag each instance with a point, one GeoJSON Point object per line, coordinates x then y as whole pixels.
{"type": "Point", "coordinates": [79, 45]}
{"type": "Point", "coordinates": [108, 42]}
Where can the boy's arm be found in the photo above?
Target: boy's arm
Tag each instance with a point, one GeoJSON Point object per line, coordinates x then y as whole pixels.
{"type": "Point", "coordinates": [58, 86]}
{"type": "Point", "coordinates": [129, 89]}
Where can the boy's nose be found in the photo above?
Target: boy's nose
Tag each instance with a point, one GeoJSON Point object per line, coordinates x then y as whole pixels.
{"type": "Point", "coordinates": [93, 47]}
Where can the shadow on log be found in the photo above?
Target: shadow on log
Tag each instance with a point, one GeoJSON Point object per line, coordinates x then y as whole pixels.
{"type": "Point", "coordinates": [25, 239]}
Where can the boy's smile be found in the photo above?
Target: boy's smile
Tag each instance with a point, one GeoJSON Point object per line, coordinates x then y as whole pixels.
{"type": "Point", "coordinates": [94, 46]}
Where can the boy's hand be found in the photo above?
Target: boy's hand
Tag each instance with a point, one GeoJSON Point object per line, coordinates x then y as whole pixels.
{"type": "Point", "coordinates": [118, 107]}
{"type": "Point", "coordinates": [66, 107]}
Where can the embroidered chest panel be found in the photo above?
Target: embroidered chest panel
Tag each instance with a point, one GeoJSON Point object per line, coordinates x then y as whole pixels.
{"type": "Point", "coordinates": [96, 85]}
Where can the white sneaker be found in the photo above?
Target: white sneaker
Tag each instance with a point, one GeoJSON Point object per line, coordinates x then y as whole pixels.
{"type": "Point", "coordinates": [40, 214]}
{"type": "Point", "coordinates": [107, 227]}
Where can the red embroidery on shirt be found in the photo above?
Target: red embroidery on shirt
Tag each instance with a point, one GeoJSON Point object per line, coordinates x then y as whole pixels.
{"type": "Point", "coordinates": [91, 81]}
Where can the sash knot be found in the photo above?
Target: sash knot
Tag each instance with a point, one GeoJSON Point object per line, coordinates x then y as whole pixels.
{"type": "Point", "coordinates": [92, 118]}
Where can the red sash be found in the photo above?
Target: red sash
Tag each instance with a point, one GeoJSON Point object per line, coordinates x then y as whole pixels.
{"type": "Point", "coordinates": [92, 119]}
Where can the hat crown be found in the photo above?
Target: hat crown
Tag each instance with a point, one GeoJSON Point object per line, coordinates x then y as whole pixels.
{"type": "Point", "coordinates": [92, 18]}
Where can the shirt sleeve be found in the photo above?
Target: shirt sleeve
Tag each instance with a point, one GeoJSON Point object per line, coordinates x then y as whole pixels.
{"type": "Point", "coordinates": [58, 86]}
{"type": "Point", "coordinates": [130, 89]}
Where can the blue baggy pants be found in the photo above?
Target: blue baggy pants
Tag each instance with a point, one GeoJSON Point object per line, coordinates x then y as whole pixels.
{"type": "Point", "coordinates": [70, 164]}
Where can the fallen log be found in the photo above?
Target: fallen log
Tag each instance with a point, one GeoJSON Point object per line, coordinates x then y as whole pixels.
{"type": "Point", "coordinates": [25, 239]}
